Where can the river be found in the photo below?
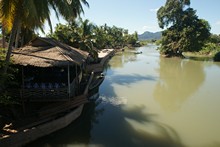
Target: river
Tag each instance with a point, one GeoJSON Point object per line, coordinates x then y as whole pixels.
{"type": "Point", "coordinates": [146, 100]}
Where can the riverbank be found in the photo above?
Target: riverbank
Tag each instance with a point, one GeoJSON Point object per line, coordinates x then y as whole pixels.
{"type": "Point", "coordinates": [198, 55]}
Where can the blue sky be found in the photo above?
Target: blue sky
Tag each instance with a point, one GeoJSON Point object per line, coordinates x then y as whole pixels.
{"type": "Point", "coordinates": [140, 15]}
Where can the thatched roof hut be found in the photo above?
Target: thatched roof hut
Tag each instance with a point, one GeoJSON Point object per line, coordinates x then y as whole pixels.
{"type": "Point", "coordinates": [50, 70]}
{"type": "Point", "coordinates": [47, 52]}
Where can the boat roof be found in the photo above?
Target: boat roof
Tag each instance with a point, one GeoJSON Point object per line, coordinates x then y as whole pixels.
{"type": "Point", "coordinates": [48, 52]}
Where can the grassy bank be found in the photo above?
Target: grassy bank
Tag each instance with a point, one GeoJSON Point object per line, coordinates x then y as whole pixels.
{"type": "Point", "coordinates": [207, 52]}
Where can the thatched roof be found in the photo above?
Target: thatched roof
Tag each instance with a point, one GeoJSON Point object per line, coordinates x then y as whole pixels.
{"type": "Point", "coordinates": [47, 52]}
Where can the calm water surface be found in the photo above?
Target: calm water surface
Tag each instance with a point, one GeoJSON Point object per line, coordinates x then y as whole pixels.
{"type": "Point", "coordinates": [150, 101]}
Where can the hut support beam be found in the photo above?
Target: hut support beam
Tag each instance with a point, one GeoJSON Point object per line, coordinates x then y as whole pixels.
{"type": "Point", "coordinates": [77, 81]}
{"type": "Point", "coordinates": [22, 89]}
{"type": "Point", "coordinates": [69, 80]}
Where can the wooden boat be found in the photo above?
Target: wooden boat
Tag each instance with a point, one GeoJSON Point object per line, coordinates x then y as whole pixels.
{"type": "Point", "coordinates": [99, 78]}
{"type": "Point", "coordinates": [103, 57]}
{"type": "Point", "coordinates": [138, 52]}
{"type": "Point", "coordinates": [55, 118]}
{"type": "Point", "coordinates": [30, 134]}
{"type": "Point", "coordinates": [67, 102]}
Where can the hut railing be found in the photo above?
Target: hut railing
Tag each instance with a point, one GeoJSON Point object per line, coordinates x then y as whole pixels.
{"type": "Point", "coordinates": [45, 94]}
{"type": "Point", "coordinates": [58, 94]}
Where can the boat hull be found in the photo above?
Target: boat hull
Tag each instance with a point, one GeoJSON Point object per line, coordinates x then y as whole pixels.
{"type": "Point", "coordinates": [28, 135]}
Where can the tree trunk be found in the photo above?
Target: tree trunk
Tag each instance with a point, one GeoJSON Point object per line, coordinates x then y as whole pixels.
{"type": "Point", "coordinates": [22, 40]}
{"type": "Point", "coordinates": [11, 41]}
{"type": "Point", "coordinates": [17, 35]}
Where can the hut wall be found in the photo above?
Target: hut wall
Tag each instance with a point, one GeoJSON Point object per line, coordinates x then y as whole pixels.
{"type": "Point", "coordinates": [41, 88]}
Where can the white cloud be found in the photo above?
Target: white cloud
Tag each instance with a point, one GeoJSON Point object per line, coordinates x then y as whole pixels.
{"type": "Point", "coordinates": [154, 10]}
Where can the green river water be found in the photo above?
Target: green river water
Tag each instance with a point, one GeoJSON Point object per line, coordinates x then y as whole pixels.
{"type": "Point", "coordinates": [149, 101]}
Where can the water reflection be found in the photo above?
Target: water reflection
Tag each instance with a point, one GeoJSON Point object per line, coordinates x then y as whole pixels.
{"type": "Point", "coordinates": [179, 79]}
{"type": "Point", "coordinates": [132, 126]}
{"type": "Point", "coordinates": [123, 57]}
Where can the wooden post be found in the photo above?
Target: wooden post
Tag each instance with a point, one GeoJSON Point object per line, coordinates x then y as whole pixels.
{"type": "Point", "coordinates": [22, 89]}
{"type": "Point", "coordinates": [69, 80]}
{"type": "Point", "coordinates": [76, 89]}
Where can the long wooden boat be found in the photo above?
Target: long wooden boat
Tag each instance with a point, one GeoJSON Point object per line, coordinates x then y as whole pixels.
{"type": "Point", "coordinates": [55, 119]}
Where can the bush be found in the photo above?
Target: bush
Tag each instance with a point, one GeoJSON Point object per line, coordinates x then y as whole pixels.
{"type": "Point", "coordinates": [217, 57]}
{"type": "Point", "coordinates": [210, 49]}
{"type": "Point", "coordinates": [6, 81]}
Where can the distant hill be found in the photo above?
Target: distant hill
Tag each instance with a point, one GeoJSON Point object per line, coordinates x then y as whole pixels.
{"type": "Point", "coordinates": [149, 35]}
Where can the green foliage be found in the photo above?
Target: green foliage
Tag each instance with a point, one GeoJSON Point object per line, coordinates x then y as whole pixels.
{"type": "Point", "coordinates": [215, 38]}
{"type": "Point", "coordinates": [158, 42]}
{"type": "Point", "coordinates": [89, 37]}
{"type": "Point", "coordinates": [6, 80]}
{"type": "Point", "coordinates": [32, 14]}
{"type": "Point", "coordinates": [2, 54]}
{"type": "Point", "coordinates": [217, 57]}
{"type": "Point", "coordinates": [5, 99]}
{"type": "Point", "coordinates": [210, 48]}
{"type": "Point", "coordinates": [185, 31]}
{"type": "Point", "coordinates": [144, 42]}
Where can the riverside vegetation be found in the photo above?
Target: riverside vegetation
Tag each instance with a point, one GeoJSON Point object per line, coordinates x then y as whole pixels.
{"type": "Point", "coordinates": [184, 32]}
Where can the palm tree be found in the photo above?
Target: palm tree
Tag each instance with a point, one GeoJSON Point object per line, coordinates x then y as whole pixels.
{"type": "Point", "coordinates": [86, 37]}
{"type": "Point", "coordinates": [33, 14]}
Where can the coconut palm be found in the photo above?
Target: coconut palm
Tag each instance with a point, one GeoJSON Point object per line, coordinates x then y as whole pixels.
{"type": "Point", "coordinates": [86, 37]}
{"type": "Point", "coordinates": [33, 14]}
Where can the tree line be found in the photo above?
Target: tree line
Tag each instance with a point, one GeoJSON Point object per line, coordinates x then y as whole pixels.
{"type": "Point", "coordinates": [87, 36]}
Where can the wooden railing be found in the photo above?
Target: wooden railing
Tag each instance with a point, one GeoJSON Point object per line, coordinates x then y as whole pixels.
{"type": "Point", "coordinates": [58, 94]}
{"type": "Point", "coordinates": [45, 95]}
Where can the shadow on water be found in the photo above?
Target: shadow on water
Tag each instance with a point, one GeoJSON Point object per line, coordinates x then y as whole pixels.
{"type": "Point", "coordinates": [116, 129]}
{"type": "Point", "coordinates": [179, 79]}
{"type": "Point", "coordinates": [129, 79]}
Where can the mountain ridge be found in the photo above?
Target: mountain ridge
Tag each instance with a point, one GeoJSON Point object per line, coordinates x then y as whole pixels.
{"type": "Point", "coordinates": [150, 35]}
